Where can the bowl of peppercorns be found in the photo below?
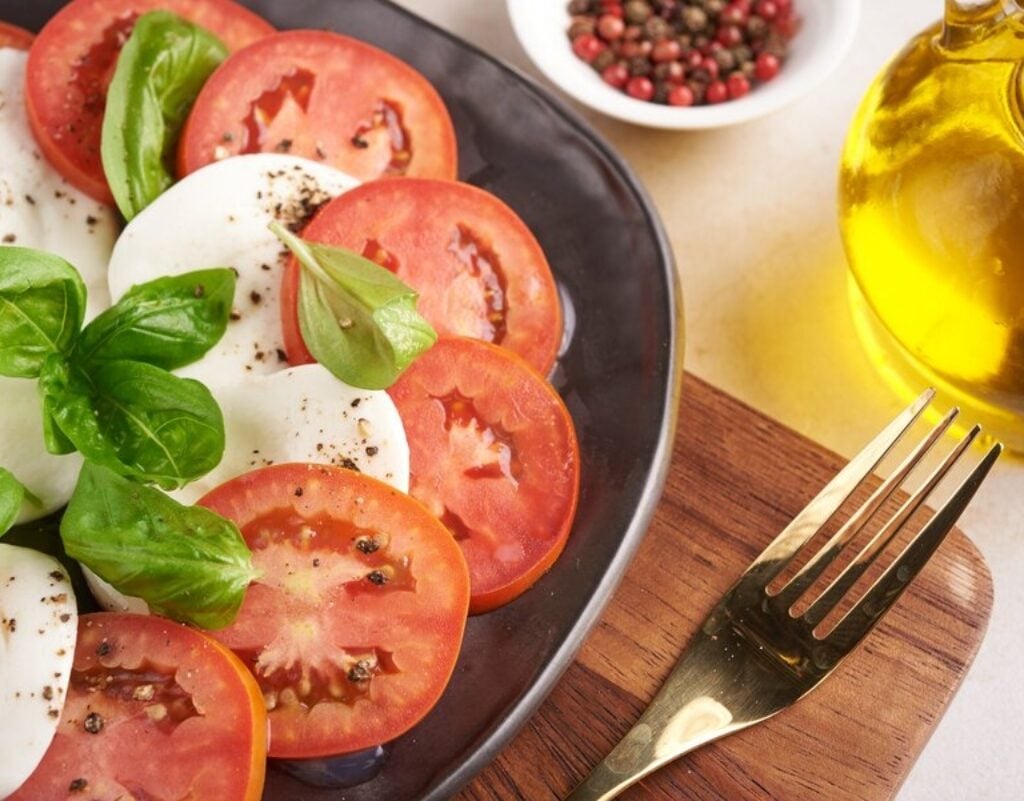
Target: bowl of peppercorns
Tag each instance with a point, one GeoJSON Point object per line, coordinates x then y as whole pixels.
{"type": "Point", "coordinates": [685, 63]}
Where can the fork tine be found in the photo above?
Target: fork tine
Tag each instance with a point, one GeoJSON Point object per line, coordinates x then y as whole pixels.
{"type": "Point", "coordinates": [818, 563]}
{"type": "Point", "coordinates": [880, 541]}
{"type": "Point", "coordinates": [891, 584]}
{"type": "Point", "coordinates": [774, 558]}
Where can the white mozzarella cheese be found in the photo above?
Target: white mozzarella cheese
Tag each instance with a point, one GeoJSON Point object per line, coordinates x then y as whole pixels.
{"type": "Point", "coordinates": [305, 414]}
{"type": "Point", "coordinates": [39, 209]}
{"type": "Point", "coordinates": [218, 217]}
{"type": "Point", "coordinates": [38, 628]}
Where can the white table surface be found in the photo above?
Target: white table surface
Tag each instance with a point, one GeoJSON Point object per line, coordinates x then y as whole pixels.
{"type": "Point", "coordinates": [751, 212]}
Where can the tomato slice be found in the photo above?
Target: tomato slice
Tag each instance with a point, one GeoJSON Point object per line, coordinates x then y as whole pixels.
{"type": "Point", "coordinates": [493, 454]}
{"type": "Point", "coordinates": [154, 710]}
{"type": "Point", "coordinates": [355, 626]}
{"type": "Point", "coordinates": [478, 269]}
{"type": "Point", "coordinates": [323, 96]}
{"type": "Point", "coordinates": [73, 59]}
{"type": "Point", "coordinates": [13, 36]}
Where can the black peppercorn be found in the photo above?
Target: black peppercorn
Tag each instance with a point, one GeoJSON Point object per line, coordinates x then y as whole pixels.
{"type": "Point", "coordinates": [639, 66]}
{"type": "Point", "coordinates": [579, 6]}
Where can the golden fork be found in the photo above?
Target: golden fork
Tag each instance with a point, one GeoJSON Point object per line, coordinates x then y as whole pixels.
{"type": "Point", "coordinates": [753, 656]}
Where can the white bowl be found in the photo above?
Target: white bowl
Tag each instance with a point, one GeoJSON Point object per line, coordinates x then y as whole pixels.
{"type": "Point", "coordinates": [824, 37]}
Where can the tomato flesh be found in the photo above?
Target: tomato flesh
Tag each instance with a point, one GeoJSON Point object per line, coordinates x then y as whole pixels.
{"type": "Point", "coordinates": [493, 454]}
{"type": "Point", "coordinates": [477, 268]}
{"type": "Point", "coordinates": [326, 97]}
{"type": "Point", "coordinates": [73, 59]}
{"type": "Point", "coordinates": [153, 710]}
{"type": "Point", "coordinates": [354, 627]}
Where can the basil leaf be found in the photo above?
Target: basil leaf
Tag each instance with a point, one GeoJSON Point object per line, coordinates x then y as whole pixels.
{"type": "Point", "coordinates": [357, 319]}
{"type": "Point", "coordinates": [42, 304]}
{"type": "Point", "coordinates": [168, 322]}
{"type": "Point", "coordinates": [135, 419]}
{"type": "Point", "coordinates": [12, 493]}
{"type": "Point", "coordinates": [185, 561]}
{"type": "Point", "coordinates": [159, 73]}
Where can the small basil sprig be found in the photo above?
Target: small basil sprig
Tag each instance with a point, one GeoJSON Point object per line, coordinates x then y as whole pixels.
{"type": "Point", "coordinates": [168, 322]}
{"type": "Point", "coordinates": [159, 73]}
{"type": "Point", "coordinates": [357, 319]}
{"type": "Point", "coordinates": [106, 391]}
{"type": "Point", "coordinates": [186, 562]}
{"type": "Point", "coordinates": [42, 305]}
{"type": "Point", "coordinates": [136, 419]}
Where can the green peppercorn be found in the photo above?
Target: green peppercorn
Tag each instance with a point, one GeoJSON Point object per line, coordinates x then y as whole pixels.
{"type": "Point", "coordinates": [656, 28]}
{"type": "Point", "coordinates": [580, 26]}
{"type": "Point", "coordinates": [695, 19]}
{"type": "Point", "coordinates": [603, 60]}
{"type": "Point", "coordinates": [637, 12]}
{"type": "Point", "coordinates": [757, 27]}
{"type": "Point", "coordinates": [726, 60]}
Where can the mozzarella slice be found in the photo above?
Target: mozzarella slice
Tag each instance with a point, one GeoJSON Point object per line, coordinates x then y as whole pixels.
{"type": "Point", "coordinates": [218, 217]}
{"type": "Point", "coordinates": [302, 414]}
{"type": "Point", "coordinates": [39, 209]}
{"type": "Point", "coordinates": [305, 414]}
{"type": "Point", "coordinates": [38, 628]}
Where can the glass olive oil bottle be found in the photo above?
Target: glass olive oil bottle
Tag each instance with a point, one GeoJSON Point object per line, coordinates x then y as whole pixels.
{"type": "Point", "coordinates": [931, 202]}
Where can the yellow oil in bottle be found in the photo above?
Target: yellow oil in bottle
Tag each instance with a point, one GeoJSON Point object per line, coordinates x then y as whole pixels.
{"type": "Point", "coordinates": [932, 216]}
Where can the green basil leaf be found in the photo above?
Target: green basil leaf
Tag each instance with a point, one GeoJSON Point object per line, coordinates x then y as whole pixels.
{"type": "Point", "coordinates": [159, 73]}
{"type": "Point", "coordinates": [357, 319]}
{"type": "Point", "coordinates": [42, 304]}
{"type": "Point", "coordinates": [12, 493]}
{"type": "Point", "coordinates": [185, 561]}
{"type": "Point", "coordinates": [135, 419]}
{"type": "Point", "coordinates": [168, 322]}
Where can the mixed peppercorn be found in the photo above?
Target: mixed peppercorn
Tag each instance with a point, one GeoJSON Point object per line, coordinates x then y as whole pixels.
{"type": "Point", "coordinates": [683, 52]}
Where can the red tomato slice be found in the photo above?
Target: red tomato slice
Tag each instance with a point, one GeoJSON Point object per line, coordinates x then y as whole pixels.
{"type": "Point", "coordinates": [493, 454]}
{"type": "Point", "coordinates": [326, 97]}
{"type": "Point", "coordinates": [478, 269]}
{"type": "Point", "coordinates": [154, 710]}
{"type": "Point", "coordinates": [355, 626]}
{"type": "Point", "coordinates": [73, 59]}
{"type": "Point", "coordinates": [13, 36]}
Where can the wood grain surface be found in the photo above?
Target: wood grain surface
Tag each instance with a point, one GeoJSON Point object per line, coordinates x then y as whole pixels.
{"type": "Point", "coordinates": [736, 479]}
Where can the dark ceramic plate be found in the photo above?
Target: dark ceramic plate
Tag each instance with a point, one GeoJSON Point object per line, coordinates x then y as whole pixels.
{"type": "Point", "coordinates": [619, 376]}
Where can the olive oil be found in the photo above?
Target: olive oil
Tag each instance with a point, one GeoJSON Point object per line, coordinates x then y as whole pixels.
{"type": "Point", "coordinates": [932, 215]}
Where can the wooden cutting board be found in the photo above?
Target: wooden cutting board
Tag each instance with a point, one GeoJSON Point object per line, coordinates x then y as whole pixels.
{"type": "Point", "coordinates": [736, 479]}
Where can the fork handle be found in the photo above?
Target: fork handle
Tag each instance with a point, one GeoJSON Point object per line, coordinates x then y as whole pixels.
{"type": "Point", "coordinates": [666, 731]}
{"type": "Point", "coordinates": [685, 714]}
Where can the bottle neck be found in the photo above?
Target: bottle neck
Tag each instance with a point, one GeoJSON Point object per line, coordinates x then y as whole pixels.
{"type": "Point", "coordinates": [968, 21]}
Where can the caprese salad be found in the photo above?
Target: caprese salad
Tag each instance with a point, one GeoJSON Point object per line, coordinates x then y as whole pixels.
{"type": "Point", "coordinates": [286, 374]}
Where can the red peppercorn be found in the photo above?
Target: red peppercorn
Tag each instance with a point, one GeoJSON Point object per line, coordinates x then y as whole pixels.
{"type": "Point", "coordinates": [640, 88]}
{"type": "Point", "coordinates": [730, 35]}
{"type": "Point", "coordinates": [717, 92]}
{"type": "Point", "coordinates": [587, 47]}
{"type": "Point", "coordinates": [785, 6]}
{"type": "Point", "coordinates": [766, 67]}
{"type": "Point", "coordinates": [738, 85]}
{"type": "Point", "coordinates": [710, 66]}
{"type": "Point", "coordinates": [614, 8]}
{"type": "Point", "coordinates": [616, 75]}
{"type": "Point", "coordinates": [680, 96]}
{"type": "Point", "coordinates": [610, 27]}
{"type": "Point", "coordinates": [666, 50]}
{"type": "Point", "coordinates": [693, 59]}
{"type": "Point", "coordinates": [734, 14]}
{"type": "Point", "coordinates": [767, 9]}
